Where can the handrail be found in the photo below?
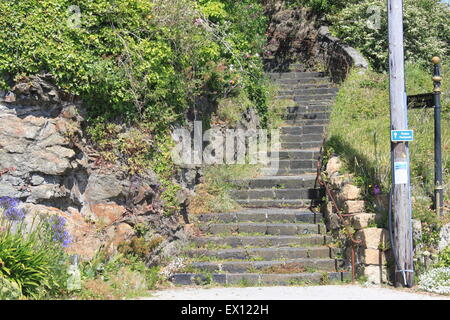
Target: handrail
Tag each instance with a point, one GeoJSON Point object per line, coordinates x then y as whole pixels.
{"type": "Point", "coordinates": [342, 216]}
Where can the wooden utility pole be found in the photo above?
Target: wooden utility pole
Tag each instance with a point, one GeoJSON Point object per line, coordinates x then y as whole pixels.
{"type": "Point", "coordinates": [403, 249]}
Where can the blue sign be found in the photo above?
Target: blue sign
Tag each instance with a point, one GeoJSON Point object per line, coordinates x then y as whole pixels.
{"type": "Point", "coordinates": [402, 135]}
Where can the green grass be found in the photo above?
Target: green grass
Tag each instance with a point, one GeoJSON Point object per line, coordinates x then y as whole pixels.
{"type": "Point", "coordinates": [359, 133]}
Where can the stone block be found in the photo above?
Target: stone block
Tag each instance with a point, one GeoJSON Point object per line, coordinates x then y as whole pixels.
{"type": "Point", "coordinates": [362, 220]}
{"type": "Point", "coordinates": [354, 206]}
{"type": "Point", "coordinates": [376, 274]}
{"type": "Point", "coordinates": [333, 165]}
{"type": "Point", "coordinates": [349, 192]}
{"type": "Point", "coordinates": [374, 256]}
{"type": "Point", "coordinates": [373, 238]}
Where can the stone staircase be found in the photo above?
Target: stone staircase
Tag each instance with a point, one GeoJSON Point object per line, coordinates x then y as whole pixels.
{"type": "Point", "coordinates": [275, 239]}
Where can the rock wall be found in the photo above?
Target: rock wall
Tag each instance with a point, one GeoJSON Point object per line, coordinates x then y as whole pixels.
{"type": "Point", "coordinates": [346, 211]}
{"type": "Point", "coordinates": [46, 162]}
{"type": "Point", "coordinates": [299, 35]}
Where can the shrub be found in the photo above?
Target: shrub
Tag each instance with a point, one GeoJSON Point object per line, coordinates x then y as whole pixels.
{"type": "Point", "coordinates": [32, 256]}
{"type": "Point", "coordinates": [116, 276]}
{"type": "Point", "coordinates": [425, 25]}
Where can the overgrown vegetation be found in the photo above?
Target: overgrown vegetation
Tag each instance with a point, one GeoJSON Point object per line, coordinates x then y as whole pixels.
{"type": "Point", "coordinates": [359, 132]}
{"type": "Point", "coordinates": [363, 25]}
{"type": "Point", "coordinates": [138, 65]}
{"type": "Point", "coordinates": [33, 263]}
{"type": "Point", "coordinates": [116, 276]}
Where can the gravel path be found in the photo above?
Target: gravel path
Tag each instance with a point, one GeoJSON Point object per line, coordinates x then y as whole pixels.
{"type": "Point", "coordinates": [347, 292]}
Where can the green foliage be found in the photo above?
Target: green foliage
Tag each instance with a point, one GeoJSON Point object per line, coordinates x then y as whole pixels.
{"type": "Point", "coordinates": [134, 57]}
{"type": "Point", "coordinates": [32, 259]}
{"type": "Point", "coordinates": [444, 258]}
{"type": "Point", "coordinates": [116, 276]}
{"type": "Point", "coordinates": [426, 29]}
{"type": "Point", "coordinates": [362, 110]}
{"type": "Point", "coordinates": [9, 290]}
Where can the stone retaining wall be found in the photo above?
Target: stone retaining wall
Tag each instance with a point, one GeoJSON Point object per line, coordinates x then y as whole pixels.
{"type": "Point", "coordinates": [46, 162]}
{"type": "Point", "coordinates": [372, 253]}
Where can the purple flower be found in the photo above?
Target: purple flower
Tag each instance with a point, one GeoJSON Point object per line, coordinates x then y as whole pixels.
{"type": "Point", "coordinates": [198, 21]}
{"type": "Point", "coordinates": [14, 214]}
{"type": "Point", "coordinates": [59, 232]}
{"type": "Point", "coordinates": [376, 190]}
{"type": "Point", "coordinates": [7, 202]}
{"type": "Point", "coordinates": [11, 210]}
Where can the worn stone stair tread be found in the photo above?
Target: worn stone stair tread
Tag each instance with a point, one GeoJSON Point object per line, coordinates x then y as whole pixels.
{"type": "Point", "coordinates": [262, 215]}
{"type": "Point", "coordinates": [305, 122]}
{"type": "Point", "coordinates": [280, 194]}
{"type": "Point", "coordinates": [278, 181]}
{"type": "Point", "coordinates": [264, 240]}
{"type": "Point", "coordinates": [303, 203]}
{"type": "Point", "coordinates": [282, 172]}
{"type": "Point", "coordinates": [295, 145]}
{"type": "Point", "coordinates": [264, 228]}
{"type": "Point", "coordinates": [248, 266]}
{"type": "Point", "coordinates": [265, 253]}
{"type": "Point", "coordinates": [295, 75]}
{"type": "Point", "coordinates": [257, 279]}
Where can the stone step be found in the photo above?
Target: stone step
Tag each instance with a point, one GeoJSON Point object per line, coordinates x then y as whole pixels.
{"type": "Point", "coordinates": [300, 145]}
{"type": "Point", "coordinates": [249, 266]}
{"type": "Point", "coordinates": [325, 99]}
{"type": "Point", "coordinates": [306, 80]}
{"type": "Point", "coordinates": [306, 122]}
{"type": "Point", "coordinates": [304, 203]}
{"type": "Point", "coordinates": [308, 109]}
{"type": "Point", "coordinates": [307, 91]}
{"type": "Point", "coordinates": [259, 279]}
{"type": "Point", "coordinates": [312, 97]}
{"type": "Point", "coordinates": [301, 86]}
{"type": "Point", "coordinates": [299, 154]}
{"type": "Point", "coordinates": [264, 253]}
{"type": "Point", "coordinates": [295, 75]}
{"type": "Point", "coordinates": [278, 229]}
{"type": "Point", "coordinates": [290, 165]}
{"type": "Point", "coordinates": [263, 241]}
{"type": "Point", "coordinates": [303, 130]}
{"type": "Point", "coordinates": [302, 137]}
{"type": "Point", "coordinates": [287, 182]}
{"type": "Point", "coordinates": [288, 171]}
{"type": "Point", "coordinates": [276, 194]}
{"type": "Point", "coordinates": [307, 116]}
{"type": "Point", "coordinates": [262, 215]}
